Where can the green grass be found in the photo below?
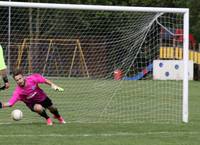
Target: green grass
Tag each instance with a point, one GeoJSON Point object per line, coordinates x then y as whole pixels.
{"type": "Point", "coordinates": [87, 124]}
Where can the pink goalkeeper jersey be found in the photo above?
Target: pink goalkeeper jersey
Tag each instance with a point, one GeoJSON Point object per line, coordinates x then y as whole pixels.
{"type": "Point", "coordinates": [30, 93]}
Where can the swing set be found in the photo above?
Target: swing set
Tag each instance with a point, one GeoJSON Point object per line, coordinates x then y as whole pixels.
{"type": "Point", "coordinates": [77, 54]}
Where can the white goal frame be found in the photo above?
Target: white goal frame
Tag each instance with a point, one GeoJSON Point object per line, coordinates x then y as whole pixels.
{"type": "Point", "coordinates": [184, 11]}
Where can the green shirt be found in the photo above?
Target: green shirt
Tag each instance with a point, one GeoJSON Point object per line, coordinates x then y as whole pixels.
{"type": "Point", "coordinates": [2, 62]}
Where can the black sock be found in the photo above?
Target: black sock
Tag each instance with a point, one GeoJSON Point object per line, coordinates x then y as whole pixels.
{"type": "Point", "coordinates": [44, 114]}
{"type": "Point", "coordinates": [55, 112]}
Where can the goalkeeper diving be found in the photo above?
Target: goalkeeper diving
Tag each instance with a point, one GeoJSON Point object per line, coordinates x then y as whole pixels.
{"type": "Point", "coordinates": [29, 92]}
{"type": "Point", "coordinates": [3, 71]}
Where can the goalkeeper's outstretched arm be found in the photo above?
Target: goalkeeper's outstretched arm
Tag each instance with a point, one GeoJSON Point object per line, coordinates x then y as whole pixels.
{"type": "Point", "coordinates": [54, 86]}
{"type": "Point", "coordinates": [4, 105]}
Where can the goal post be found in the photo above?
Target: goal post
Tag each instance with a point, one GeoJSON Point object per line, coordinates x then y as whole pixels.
{"type": "Point", "coordinates": [109, 70]}
{"type": "Point", "coordinates": [185, 58]}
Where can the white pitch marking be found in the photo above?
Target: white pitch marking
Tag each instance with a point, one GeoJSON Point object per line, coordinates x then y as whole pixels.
{"type": "Point", "coordinates": [100, 134]}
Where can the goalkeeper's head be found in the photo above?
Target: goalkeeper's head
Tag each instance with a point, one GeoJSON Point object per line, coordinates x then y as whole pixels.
{"type": "Point", "coordinates": [18, 77]}
{"type": "Point", "coordinates": [17, 71]}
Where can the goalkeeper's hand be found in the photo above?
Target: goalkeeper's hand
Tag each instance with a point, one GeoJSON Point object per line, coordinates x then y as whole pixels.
{"type": "Point", "coordinates": [56, 88]}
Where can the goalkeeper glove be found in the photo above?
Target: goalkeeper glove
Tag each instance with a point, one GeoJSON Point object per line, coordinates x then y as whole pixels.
{"type": "Point", "coordinates": [56, 88]}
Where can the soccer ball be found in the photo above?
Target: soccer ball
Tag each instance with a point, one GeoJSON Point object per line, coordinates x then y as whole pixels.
{"type": "Point", "coordinates": [16, 114]}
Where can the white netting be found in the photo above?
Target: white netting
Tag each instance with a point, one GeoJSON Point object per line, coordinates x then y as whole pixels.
{"type": "Point", "coordinates": [81, 49]}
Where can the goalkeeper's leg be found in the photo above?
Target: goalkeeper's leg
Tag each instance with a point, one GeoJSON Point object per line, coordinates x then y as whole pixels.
{"type": "Point", "coordinates": [47, 103]}
{"type": "Point", "coordinates": [41, 111]}
{"type": "Point", "coordinates": [56, 114]}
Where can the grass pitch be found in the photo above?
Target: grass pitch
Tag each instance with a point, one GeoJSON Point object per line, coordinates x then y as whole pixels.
{"type": "Point", "coordinates": [32, 130]}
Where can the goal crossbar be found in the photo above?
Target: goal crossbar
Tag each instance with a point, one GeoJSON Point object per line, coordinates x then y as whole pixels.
{"type": "Point", "coordinates": [93, 7]}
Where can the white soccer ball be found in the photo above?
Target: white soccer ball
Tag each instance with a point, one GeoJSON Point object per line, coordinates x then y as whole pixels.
{"type": "Point", "coordinates": [16, 114]}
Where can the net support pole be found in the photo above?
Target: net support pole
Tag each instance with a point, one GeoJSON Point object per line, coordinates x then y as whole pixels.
{"type": "Point", "coordinates": [185, 61]}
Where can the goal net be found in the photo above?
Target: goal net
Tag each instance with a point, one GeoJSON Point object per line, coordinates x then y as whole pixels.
{"type": "Point", "coordinates": [102, 56]}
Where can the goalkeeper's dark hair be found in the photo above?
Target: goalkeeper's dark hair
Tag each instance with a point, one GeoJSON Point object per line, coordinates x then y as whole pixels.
{"type": "Point", "coordinates": [17, 71]}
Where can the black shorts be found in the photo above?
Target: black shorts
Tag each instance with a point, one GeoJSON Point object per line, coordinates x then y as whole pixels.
{"type": "Point", "coordinates": [46, 103]}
